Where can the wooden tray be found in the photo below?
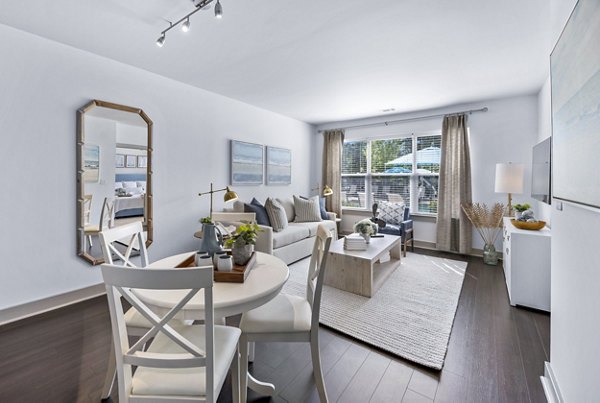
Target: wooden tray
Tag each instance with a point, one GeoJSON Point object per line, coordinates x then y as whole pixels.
{"type": "Point", "coordinates": [237, 275]}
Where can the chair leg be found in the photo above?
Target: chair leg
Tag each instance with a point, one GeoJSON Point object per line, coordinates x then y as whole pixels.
{"type": "Point", "coordinates": [316, 362]}
{"type": "Point", "coordinates": [251, 349]}
{"type": "Point", "coordinates": [111, 374]}
{"type": "Point", "coordinates": [235, 377]}
{"type": "Point", "coordinates": [243, 368]}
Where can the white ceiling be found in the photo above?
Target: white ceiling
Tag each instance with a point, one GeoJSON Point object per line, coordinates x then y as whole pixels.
{"type": "Point", "coordinates": [317, 60]}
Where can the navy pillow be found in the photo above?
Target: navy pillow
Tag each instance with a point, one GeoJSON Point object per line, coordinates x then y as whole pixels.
{"type": "Point", "coordinates": [324, 215]}
{"type": "Point", "coordinates": [261, 212]}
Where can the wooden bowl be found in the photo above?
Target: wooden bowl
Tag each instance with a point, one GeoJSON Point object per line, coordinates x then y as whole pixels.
{"type": "Point", "coordinates": [532, 226]}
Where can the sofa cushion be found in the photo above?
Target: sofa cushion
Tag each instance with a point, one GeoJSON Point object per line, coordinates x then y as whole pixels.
{"type": "Point", "coordinates": [307, 210]}
{"type": "Point", "coordinates": [257, 208]}
{"type": "Point", "coordinates": [276, 213]}
{"type": "Point", "coordinates": [288, 205]}
{"type": "Point", "coordinates": [312, 226]}
{"type": "Point", "coordinates": [324, 215]}
{"type": "Point", "coordinates": [293, 233]}
{"type": "Point", "coordinates": [391, 213]}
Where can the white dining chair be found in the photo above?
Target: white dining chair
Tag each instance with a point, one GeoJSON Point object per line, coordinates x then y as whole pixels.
{"type": "Point", "coordinates": [131, 235]}
{"type": "Point", "coordinates": [107, 217]}
{"type": "Point", "coordinates": [289, 318]}
{"type": "Point", "coordinates": [184, 363]}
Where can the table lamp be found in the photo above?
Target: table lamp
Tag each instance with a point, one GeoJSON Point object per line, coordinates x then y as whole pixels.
{"type": "Point", "coordinates": [509, 179]}
{"type": "Point", "coordinates": [230, 195]}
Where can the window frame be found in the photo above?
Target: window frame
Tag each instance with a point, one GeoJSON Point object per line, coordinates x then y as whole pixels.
{"type": "Point", "coordinates": [413, 176]}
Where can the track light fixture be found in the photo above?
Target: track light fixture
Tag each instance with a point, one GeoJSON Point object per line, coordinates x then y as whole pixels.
{"type": "Point", "coordinates": [185, 27]}
{"type": "Point", "coordinates": [185, 21]}
{"type": "Point", "coordinates": [218, 10]}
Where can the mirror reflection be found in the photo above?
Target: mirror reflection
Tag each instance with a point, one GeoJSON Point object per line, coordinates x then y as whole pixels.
{"type": "Point", "coordinates": [114, 174]}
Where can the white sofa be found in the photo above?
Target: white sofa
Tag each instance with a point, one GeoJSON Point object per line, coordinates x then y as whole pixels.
{"type": "Point", "coordinates": [291, 244]}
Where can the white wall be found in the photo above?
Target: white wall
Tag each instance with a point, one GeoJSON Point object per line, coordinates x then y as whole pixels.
{"type": "Point", "coordinates": [43, 84]}
{"type": "Point", "coordinates": [507, 132]}
{"type": "Point", "coordinates": [575, 324]}
{"type": "Point", "coordinates": [544, 131]}
{"type": "Point", "coordinates": [103, 133]}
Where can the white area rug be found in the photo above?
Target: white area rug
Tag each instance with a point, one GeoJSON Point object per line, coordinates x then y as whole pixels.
{"type": "Point", "coordinates": [411, 315]}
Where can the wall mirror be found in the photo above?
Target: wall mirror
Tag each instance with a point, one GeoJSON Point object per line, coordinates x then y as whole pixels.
{"type": "Point", "coordinates": [114, 173]}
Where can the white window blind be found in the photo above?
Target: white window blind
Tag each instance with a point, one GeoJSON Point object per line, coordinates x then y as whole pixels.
{"type": "Point", "coordinates": [400, 170]}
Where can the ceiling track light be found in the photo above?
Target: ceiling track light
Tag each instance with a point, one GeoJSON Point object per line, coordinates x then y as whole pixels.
{"type": "Point", "coordinates": [218, 10]}
{"type": "Point", "coordinates": [185, 27]}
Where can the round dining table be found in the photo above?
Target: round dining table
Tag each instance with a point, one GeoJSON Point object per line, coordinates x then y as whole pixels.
{"type": "Point", "coordinates": [263, 283]}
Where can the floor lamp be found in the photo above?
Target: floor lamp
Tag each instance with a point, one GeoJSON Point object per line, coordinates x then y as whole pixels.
{"type": "Point", "coordinates": [509, 179]}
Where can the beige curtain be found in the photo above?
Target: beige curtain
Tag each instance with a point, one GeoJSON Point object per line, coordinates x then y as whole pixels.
{"type": "Point", "coordinates": [454, 231]}
{"type": "Point", "coordinates": [332, 168]}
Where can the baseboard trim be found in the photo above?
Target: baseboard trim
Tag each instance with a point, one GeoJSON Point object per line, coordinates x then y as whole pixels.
{"type": "Point", "coordinates": [33, 308]}
{"type": "Point", "coordinates": [550, 385]}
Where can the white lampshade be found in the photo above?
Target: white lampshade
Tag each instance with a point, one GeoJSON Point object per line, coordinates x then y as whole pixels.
{"type": "Point", "coordinates": [509, 178]}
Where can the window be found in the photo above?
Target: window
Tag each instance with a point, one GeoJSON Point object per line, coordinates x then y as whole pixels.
{"type": "Point", "coordinates": [402, 170]}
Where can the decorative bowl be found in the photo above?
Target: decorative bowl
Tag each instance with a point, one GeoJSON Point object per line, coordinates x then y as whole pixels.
{"type": "Point", "coordinates": [532, 226]}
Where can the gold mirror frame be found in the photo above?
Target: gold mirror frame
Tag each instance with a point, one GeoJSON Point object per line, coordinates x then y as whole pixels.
{"type": "Point", "coordinates": [148, 224]}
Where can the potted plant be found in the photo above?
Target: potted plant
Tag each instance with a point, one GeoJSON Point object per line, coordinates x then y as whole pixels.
{"type": "Point", "coordinates": [488, 223]}
{"type": "Point", "coordinates": [520, 208]}
{"type": "Point", "coordinates": [242, 242]}
{"type": "Point", "coordinates": [365, 228]}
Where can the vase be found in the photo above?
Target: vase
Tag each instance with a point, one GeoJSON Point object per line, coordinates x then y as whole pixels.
{"type": "Point", "coordinates": [241, 254]}
{"type": "Point", "coordinates": [490, 256]}
{"type": "Point", "coordinates": [518, 214]}
{"type": "Point", "coordinates": [367, 237]}
{"type": "Point", "coordinates": [211, 239]}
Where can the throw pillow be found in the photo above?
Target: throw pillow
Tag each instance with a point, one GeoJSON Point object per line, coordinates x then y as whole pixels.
{"type": "Point", "coordinates": [257, 208]}
{"type": "Point", "coordinates": [391, 213]}
{"type": "Point", "coordinates": [276, 214]}
{"type": "Point", "coordinates": [324, 215]}
{"type": "Point", "coordinates": [307, 210]}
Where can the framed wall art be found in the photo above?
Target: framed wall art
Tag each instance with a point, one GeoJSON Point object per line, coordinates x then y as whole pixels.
{"type": "Point", "coordinates": [575, 73]}
{"type": "Point", "coordinates": [131, 161]}
{"type": "Point", "coordinates": [119, 161]}
{"type": "Point", "coordinates": [247, 163]}
{"type": "Point", "coordinates": [91, 163]}
{"type": "Point", "coordinates": [142, 161]}
{"type": "Point", "coordinates": [279, 166]}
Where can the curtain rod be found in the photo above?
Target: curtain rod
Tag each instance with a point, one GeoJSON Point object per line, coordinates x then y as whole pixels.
{"type": "Point", "coordinates": [387, 123]}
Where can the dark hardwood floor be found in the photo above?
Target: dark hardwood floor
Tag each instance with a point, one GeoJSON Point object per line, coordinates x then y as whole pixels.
{"type": "Point", "coordinates": [496, 354]}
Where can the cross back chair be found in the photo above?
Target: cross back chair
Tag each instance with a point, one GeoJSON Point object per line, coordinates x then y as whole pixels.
{"type": "Point", "coordinates": [107, 217]}
{"type": "Point", "coordinates": [183, 363]}
{"type": "Point", "coordinates": [290, 318]}
{"type": "Point", "coordinates": [137, 325]}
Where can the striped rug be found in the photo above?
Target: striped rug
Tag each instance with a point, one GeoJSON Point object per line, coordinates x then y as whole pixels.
{"type": "Point", "coordinates": [410, 316]}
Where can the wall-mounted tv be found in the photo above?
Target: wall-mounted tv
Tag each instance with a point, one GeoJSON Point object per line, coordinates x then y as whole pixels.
{"type": "Point", "coordinates": [541, 171]}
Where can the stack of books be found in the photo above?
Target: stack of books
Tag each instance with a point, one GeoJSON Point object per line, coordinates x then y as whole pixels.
{"type": "Point", "coordinates": [354, 242]}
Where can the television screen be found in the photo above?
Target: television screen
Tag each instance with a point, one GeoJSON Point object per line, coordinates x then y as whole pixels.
{"type": "Point", "coordinates": [540, 171]}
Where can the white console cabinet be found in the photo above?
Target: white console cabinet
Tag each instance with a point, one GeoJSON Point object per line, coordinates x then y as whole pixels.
{"type": "Point", "coordinates": [526, 261]}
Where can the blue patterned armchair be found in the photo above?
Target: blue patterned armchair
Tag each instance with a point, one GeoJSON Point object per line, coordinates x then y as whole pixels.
{"type": "Point", "coordinates": [394, 219]}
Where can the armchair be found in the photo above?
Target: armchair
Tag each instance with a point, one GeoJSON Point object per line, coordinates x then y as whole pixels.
{"type": "Point", "coordinates": [394, 219]}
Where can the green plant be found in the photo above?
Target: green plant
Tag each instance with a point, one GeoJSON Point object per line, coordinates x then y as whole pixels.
{"type": "Point", "coordinates": [365, 227]}
{"type": "Point", "coordinates": [245, 234]}
{"type": "Point", "coordinates": [521, 207]}
{"type": "Point", "coordinates": [206, 220]}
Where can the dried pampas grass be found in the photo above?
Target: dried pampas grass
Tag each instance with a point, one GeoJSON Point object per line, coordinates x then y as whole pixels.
{"type": "Point", "coordinates": [486, 221]}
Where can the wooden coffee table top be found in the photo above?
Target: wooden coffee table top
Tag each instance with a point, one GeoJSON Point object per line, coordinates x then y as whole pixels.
{"type": "Point", "coordinates": [376, 248]}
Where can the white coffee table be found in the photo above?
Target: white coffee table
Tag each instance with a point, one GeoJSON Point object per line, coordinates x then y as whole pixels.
{"type": "Point", "coordinates": [363, 272]}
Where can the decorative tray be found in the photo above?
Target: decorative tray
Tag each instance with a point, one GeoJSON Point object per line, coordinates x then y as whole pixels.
{"type": "Point", "coordinates": [532, 226]}
{"type": "Point", "coordinates": [237, 275]}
